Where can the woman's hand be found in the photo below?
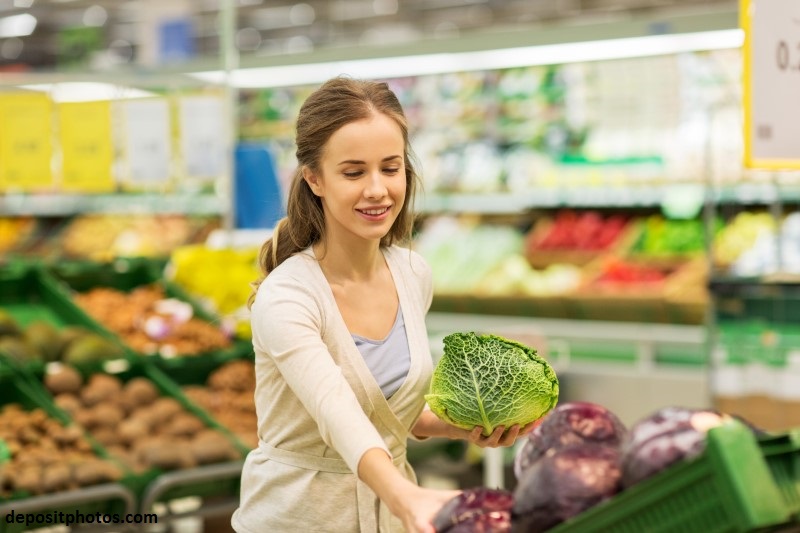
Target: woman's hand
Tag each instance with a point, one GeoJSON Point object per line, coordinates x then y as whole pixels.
{"type": "Point", "coordinates": [421, 505]}
{"type": "Point", "coordinates": [499, 437]}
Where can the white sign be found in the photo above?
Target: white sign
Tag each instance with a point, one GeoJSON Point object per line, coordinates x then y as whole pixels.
{"type": "Point", "coordinates": [147, 141]}
{"type": "Point", "coordinates": [772, 83]}
{"type": "Point", "coordinates": [203, 135]}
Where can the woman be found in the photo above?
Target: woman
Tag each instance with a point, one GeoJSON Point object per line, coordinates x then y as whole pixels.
{"type": "Point", "coordinates": [342, 354]}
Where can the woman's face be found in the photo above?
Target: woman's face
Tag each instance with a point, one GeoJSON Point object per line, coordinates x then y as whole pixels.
{"type": "Point", "coordinates": [362, 182]}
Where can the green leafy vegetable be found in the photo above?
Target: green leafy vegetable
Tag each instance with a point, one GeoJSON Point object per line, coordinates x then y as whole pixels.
{"type": "Point", "coordinates": [488, 381]}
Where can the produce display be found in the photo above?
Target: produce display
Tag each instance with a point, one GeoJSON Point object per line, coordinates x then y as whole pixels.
{"type": "Point", "coordinates": [228, 396]}
{"type": "Point", "coordinates": [741, 234]}
{"type": "Point", "coordinates": [41, 341]}
{"type": "Point", "coordinates": [150, 323]}
{"type": "Point", "coordinates": [488, 381]}
{"type": "Point", "coordinates": [103, 237]}
{"type": "Point", "coordinates": [198, 269]}
{"type": "Point", "coordinates": [667, 237]}
{"type": "Point", "coordinates": [138, 425]}
{"type": "Point", "coordinates": [46, 456]}
{"type": "Point", "coordinates": [581, 456]}
{"type": "Point", "coordinates": [571, 230]}
{"type": "Point", "coordinates": [15, 231]}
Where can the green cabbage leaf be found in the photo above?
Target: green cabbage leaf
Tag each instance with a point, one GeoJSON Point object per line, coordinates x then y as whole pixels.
{"type": "Point", "coordinates": [488, 381]}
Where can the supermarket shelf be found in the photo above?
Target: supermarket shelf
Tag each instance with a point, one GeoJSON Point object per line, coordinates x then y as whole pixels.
{"type": "Point", "coordinates": [150, 203]}
{"type": "Point", "coordinates": [594, 196]}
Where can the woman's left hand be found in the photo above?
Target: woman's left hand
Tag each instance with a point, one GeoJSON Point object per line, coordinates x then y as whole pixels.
{"type": "Point", "coordinates": [499, 437]}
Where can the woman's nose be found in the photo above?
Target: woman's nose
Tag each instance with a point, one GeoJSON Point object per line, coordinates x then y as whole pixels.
{"type": "Point", "coordinates": [375, 187]}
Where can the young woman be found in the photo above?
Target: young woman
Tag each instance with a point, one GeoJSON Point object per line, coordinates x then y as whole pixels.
{"type": "Point", "coordinates": [342, 354]}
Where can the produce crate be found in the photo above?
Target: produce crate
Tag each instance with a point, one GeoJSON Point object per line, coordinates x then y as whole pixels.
{"type": "Point", "coordinates": [729, 488]}
{"type": "Point", "coordinates": [175, 380]}
{"type": "Point", "coordinates": [219, 479]}
{"type": "Point", "coordinates": [782, 453]}
{"type": "Point", "coordinates": [754, 299]}
{"type": "Point", "coordinates": [128, 274]}
{"type": "Point", "coordinates": [28, 294]}
{"type": "Point", "coordinates": [106, 498]}
{"type": "Point", "coordinates": [530, 306]}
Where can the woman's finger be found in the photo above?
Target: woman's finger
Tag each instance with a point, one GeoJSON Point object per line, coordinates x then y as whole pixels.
{"type": "Point", "coordinates": [510, 436]}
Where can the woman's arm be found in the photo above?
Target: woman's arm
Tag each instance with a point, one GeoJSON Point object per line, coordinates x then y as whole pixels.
{"type": "Point", "coordinates": [430, 425]}
{"type": "Point", "coordinates": [415, 506]}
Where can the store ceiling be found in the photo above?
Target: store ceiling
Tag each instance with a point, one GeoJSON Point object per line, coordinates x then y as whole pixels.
{"type": "Point", "coordinates": [101, 33]}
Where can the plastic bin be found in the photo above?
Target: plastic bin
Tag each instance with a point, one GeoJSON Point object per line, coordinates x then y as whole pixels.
{"type": "Point", "coordinates": [214, 479]}
{"type": "Point", "coordinates": [106, 498]}
{"type": "Point", "coordinates": [729, 488]}
{"type": "Point", "coordinates": [782, 454]}
{"type": "Point", "coordinates": [128, 274]}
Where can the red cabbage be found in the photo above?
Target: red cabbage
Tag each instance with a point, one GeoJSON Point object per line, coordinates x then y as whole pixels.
{"type": "Point", "coordinates": [569, 423]}
{"type": "Point", "coordinates": [476, 510]}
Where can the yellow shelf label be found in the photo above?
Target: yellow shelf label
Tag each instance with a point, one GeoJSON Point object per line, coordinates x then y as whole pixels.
{"type": "Point", "coordinates": [87, 151]}
{"type": "Point", "coordinates": [26, 144]}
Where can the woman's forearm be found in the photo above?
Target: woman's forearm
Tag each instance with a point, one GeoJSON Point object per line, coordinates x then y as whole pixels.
{"type": "Point", "coordinates": [377, 470]}
{"type": "Point", "coordinates": [430, 425]}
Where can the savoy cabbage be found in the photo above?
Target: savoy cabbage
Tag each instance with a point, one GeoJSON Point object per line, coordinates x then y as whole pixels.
{"type": "Point", "coordinates": [486, 380]}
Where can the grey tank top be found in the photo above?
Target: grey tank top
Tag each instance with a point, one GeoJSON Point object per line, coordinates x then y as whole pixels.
{"type": "Point", "coordinates": [388, 359]}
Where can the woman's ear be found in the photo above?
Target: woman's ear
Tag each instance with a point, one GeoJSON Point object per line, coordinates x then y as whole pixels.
{"type": "Point", "coordinates": [312, 180]}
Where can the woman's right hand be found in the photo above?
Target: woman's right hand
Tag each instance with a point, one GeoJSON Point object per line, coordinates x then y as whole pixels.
{"type": "Point", "coordinates": [421, 505]}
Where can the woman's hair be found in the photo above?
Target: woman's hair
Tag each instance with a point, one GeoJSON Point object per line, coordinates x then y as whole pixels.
{"type": "Point", "coordinates": [336, 103]}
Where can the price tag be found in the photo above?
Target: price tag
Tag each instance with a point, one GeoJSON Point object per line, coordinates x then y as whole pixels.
{"type": "Point", "coordinates": [87, 151]}
{"type": "Point", "coordinates": [147, 141]}
{"type": "Point", "coordinates": [771, 83]}
{"type": "Point", "coordinates": [202, 127]}
{"type": "Point", "coordinates": [26, 146]}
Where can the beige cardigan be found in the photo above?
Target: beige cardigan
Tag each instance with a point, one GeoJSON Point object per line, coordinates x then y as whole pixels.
{"type": "Point", "coordinates": [319, 407]}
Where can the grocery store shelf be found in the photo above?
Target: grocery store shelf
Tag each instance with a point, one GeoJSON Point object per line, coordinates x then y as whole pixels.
{"type": "Point", "coordinates": [149, 203]}
{"type": "Point", "coordinates": [595, 196]}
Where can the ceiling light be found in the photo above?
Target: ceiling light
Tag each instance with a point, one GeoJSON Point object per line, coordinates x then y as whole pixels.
{"type": "Point", "coordinates": [549, 54]}
{"type": "Point", "coordinates": [95, 16]}
{"type": "Point", "coordinates": [17, 25]}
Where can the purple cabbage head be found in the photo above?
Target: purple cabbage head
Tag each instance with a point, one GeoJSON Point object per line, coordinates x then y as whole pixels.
{"type": "Point", "coordinates": [569, 423]}
{"type": "Point", "coordinates": [476, 510]}
{"type": "Point", "coordinates": [563, 483]}
{"type": "Point", "coordinates": [669, 435]}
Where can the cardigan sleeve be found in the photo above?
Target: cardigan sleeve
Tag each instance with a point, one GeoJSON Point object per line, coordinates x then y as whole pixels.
{"type": "Point", "coordinates": [423, 272]}
{"type": "Point", "coordinates": [287, 327]}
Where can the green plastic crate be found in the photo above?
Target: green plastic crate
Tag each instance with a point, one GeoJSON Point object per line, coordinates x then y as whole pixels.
{"type": "Point", "coordinates": [111, 498]}
{"type": "Point", "coordinates": [139, 482]}
{"type": "Point", "coordinates": [729, 488]}
{"type": "Point", "coordinates": [128, 274]}
{"type": "Point", "coordinates": [782, 454]}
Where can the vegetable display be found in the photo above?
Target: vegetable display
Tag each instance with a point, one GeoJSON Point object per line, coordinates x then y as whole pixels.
{"type": "Point", "coordinates": [569, 423]}
{"type": "Point", "coordinates": [489, 381]}
{"type": "Point", "coordinates": [476, 510]}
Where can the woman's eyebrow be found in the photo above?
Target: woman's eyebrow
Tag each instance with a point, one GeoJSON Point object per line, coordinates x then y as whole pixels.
{"type": "Point", "coordinates": [357, 162]}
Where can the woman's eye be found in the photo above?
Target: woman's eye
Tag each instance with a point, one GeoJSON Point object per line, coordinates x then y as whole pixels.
{"type": "Point", "coordinates": [353, 174]}
{"type": "Point", "coordinates": [391, 170]}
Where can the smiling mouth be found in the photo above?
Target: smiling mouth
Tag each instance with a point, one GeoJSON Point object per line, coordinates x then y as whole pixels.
{"type": "Point", "coordinates": [374, 212]}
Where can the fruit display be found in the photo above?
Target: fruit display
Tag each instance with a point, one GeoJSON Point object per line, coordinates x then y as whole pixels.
{"type": "Point", "coordinates": [667, 237]}
{"type": "Point", "coordinates": [102, 236]}
{"type": "Point", "coordinates": [41, 341]}
{"type": "Point", "coordinates": [571, 230]}
{"type": "Point", "coordinates": [198, 269]}
{"type": "Point", "coordinates": [135, 422]}
{"type": "Point", "coordinates": [15, 231]}
{"type": "Point", "coordinates": [45, 456]}
{"type": "Point", "coordinates": [228, 396]}
{"type": "Point", "coordinates": [514, 276]}
{"type": "Point", "coordinates": [624, 274]}
{"type": "Point", "coordinates": [740, 235]}
{"type": "Point", "coordinates": [150, 323]}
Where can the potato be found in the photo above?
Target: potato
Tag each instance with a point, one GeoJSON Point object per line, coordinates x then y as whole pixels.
{"type": "Point", "coordinates": [184, 425]}
{"type": "Point", "coordinates": [65, 379]}
{"type": "Point", "coordinates": [210, 446]}
{"type": "Point", "coordinates": [100, 388]}
{"type": "Point", "coordinates": [107, 415]}
{"type": "Point", "coordinates": [139, 391]}
{"type": "Point", "coordinates": [132, 429]}
{"type": "Point", "coordinates": [68, 403]}
{"type": "Point", "coordinates": [56, 477]}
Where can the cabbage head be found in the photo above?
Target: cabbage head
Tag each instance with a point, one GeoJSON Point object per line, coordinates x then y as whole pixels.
{"type": "Point", "coordinates": [488, 381]}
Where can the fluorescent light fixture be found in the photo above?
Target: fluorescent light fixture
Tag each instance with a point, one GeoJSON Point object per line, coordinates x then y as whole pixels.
{"type": "Point", "coordinates": [394, 67]}
{"type": "Point", "coordinates": [17, 25]}
{"type": "Point", "coordinates": [87, 91]}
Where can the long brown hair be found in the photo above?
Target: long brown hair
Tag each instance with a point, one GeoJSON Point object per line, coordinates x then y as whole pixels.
{"type": "Point", "coordinates": [336, 103]}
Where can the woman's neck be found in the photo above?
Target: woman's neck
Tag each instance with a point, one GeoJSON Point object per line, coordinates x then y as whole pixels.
{"type": "Point", "coordinates": [349, 262]}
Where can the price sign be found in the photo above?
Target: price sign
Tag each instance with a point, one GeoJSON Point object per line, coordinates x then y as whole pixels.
{"type": "Point", "coordinates": [87, 151]}
{"type": "Point", "coordinates": [771, 83]}
{"type": "Point", "coordinates": [147, 145]}
{"type": "Point", "coordinates": [202, 126]}
{"type": "Point", "coordinates": [26, 146]}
